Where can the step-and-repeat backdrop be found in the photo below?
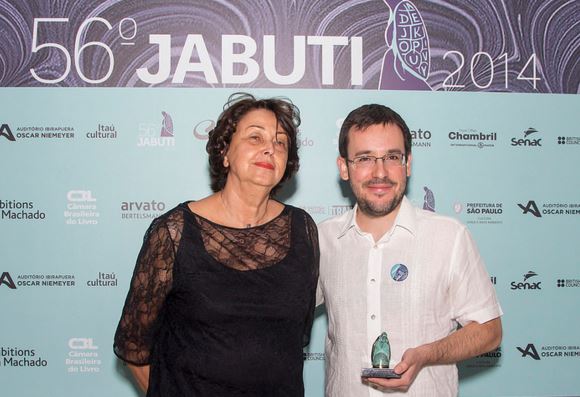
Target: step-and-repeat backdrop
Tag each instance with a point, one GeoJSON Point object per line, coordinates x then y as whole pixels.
{"type": "Point", "coordinates": [104, 112]}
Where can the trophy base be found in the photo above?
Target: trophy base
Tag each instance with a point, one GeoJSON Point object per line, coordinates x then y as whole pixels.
{"type": "Point", "coordinates": [386, 373]}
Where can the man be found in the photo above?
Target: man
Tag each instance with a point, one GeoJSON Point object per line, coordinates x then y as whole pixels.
{"type": "Point", "coordinates": [388, 266]}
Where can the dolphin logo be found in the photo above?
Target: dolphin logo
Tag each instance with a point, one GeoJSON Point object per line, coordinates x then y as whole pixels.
{"type": "Point", "coordinates": [529, 131]}
{"type": "Point", "coordinates": [529, 275]}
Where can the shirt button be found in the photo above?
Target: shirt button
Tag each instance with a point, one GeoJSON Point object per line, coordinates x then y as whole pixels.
{"type": "Point", "coordinates": [372, 280]}
{"type": "Point", "coordinates": [373, 316]}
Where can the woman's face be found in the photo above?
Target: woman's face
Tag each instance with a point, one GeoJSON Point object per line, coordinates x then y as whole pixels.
{"type": "Point", "coordinates": [258, 151]}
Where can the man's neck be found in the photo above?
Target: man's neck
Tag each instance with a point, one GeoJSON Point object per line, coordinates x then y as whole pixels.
{"type": "Point", "coordinates": [376, 226]}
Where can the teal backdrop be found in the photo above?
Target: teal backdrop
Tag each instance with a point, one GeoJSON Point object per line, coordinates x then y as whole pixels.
{"type": "Point", "coordinates": [96, 197]}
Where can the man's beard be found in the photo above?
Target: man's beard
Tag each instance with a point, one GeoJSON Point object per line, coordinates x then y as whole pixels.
{"type": "Point", "coordinates": [377, 210]}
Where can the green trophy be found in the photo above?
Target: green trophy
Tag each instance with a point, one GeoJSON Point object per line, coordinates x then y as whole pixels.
{"type": "Point", "coordinates": [380, 356]}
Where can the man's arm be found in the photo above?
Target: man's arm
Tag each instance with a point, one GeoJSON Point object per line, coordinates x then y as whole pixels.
{"type": "Point", "coordinates": [141, 375]}
{"type": "Point", "coordinates": [471, 340]}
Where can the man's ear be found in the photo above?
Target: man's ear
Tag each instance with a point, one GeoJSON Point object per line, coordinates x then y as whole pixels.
{"type": "Point", "coordinates": [408, 164]}
{"type": "Point", "coordinates": [342, 168]}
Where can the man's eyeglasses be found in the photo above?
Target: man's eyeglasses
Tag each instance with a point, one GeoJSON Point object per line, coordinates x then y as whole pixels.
{"type": "Point", "coordinates": [389, 160]}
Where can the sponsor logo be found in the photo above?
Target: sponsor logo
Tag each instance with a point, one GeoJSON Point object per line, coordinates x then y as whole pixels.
{"type": "Point", "coordinates": [480, 213]}
{"type": "Point", "coordinates": [525, 285]}
{"type": "Point", "coordinates": [83, 356]}
{"type": "Point", "coordinates": [6, 132]}
{"type": "Point", "coordinates": [472, 138]}
{"type": "Point", "coordinates": [548, 209]}
{"type": "Point", "coordinates": [334, 210]}
{"type": "Point", "coordinates": [487, 360]}
{"type": "Point", "coordinates": [104, 280]}
{"type": "Point", "coordinates": [484, 208]}
{"type": "Point", "coordinates": [6, 279]}
{"type": "Point", "coordinates": [151, 136]}
{"type": "Point", "coordinates": [407, 60]}
{"type": "Point", "coordinates": [166, 125]}
{"type": "Point", "coordinates": [81, 208]}
{"type": "Point", "coordinates": [103, 131]}
{"type": "Point", "coordinates": [569, 140]}
{"type": "Point", "coordinates": [314, 357]}
{"type": "Point", "coordinates": [17, 357]}
{"type": "Point", "coordinates": [529, 139]}
{"type": "Point", "coordinates": [45, 280]}
{"type": "Point", "coordinates": [38, 132]}
{"type": "Point", "coordinates": [141, 209]}
{"type": "Point", "coordinates": [568, 283]}
{"type": "Point", "coordinates": [529, 351]}
{"type": "Point", "coordinates": [531, 208]}
{"type": "Point", "coordinates": [428, 200]}
{"type": "Point", "coordinates": [202, 129]}
{"type": "Point", "coordinates": [494, 353]}
{"type": "Point", "coordinates": [15, 210]}
{"type": "Point", "coordinates": [240, 60]}
{"type": "Point", "coordinates": [529, 274]}
{"type": "Point", "coordinates": [550, 352]}
{"type": "Point", "coordinates": [315, 209]}
{"type": "Point", "coordinates": [561, 209]}
{"type": "Point", "coordinates": [421, 138]}
{"type": "Point", "coordinates": [303, 140]}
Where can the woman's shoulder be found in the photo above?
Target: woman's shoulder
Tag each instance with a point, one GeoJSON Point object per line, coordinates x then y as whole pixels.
{"type": "Point", "coordinates": [299, 212]}
{"type": "Point", "coordinates": [172, 220]}
{"type": "Point", "coordinates": [174, 213]}
{"type": "Point", "coordinates": [206, 208]}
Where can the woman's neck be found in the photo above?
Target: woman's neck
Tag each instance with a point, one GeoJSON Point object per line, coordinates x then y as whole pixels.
{"type": "Point", "coordinates": [244, 209]}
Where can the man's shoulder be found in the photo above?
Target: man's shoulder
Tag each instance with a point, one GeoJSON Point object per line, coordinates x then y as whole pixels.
{"type": "Point", "coordinates": [433, 220]}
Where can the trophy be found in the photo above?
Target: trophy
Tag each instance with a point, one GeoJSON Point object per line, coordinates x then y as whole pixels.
{"type": "Point", "coordinates": [380, 355]}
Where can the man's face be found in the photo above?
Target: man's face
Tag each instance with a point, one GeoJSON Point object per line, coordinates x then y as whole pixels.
{"type": "Point", "coordinates": [380, 187]}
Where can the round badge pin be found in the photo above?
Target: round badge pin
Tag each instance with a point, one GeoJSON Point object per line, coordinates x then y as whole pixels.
{"type": "Point", "coordinates": [399, 272]}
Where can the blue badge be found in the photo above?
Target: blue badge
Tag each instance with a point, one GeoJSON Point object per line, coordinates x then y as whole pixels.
{"type": "Point", "coordinates": [399, 272]}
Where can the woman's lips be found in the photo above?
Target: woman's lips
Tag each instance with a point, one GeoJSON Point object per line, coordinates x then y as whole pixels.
{"type": "Point", "coordinates": [267, 166]}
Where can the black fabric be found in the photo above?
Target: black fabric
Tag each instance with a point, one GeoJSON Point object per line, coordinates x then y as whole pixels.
{"type": "Point", "coordinates": [218, 311]}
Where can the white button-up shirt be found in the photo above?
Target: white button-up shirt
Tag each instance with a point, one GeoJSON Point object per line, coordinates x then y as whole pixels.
{"type": "Point", "coordinates": [441, 281]}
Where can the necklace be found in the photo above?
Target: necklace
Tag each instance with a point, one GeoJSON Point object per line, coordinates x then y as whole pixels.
{"type": "Point", "coordinates": [231, 213]}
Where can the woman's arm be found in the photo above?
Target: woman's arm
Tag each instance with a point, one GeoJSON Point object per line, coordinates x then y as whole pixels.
{"type": "Point", "coordinates": [141, 375]}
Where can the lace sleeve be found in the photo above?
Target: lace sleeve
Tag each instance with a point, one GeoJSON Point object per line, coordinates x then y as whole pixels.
{"type": "Point", "coordinates": [311, 232]}
{"type": "Point", "coordinates": [150, 284]}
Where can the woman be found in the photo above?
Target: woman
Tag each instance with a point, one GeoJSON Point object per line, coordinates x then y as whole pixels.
{"type": "Point", "coordinates": [222, 297]}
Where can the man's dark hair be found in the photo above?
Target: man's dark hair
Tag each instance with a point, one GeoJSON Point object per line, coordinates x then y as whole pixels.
{"type": "Point", "coordinates": [237, 106]}
{"type": "Point", "coordinates": [368, 115]}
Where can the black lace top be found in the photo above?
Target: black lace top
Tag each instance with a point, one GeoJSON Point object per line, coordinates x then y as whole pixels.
{"type": "Point", "coordinates": [218, 311]}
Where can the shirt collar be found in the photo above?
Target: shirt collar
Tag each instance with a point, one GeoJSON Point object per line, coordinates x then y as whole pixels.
{"type": "Point", "coordinates": [348, 222]}
{"type": "Point", "coordinates": [406, 219]}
